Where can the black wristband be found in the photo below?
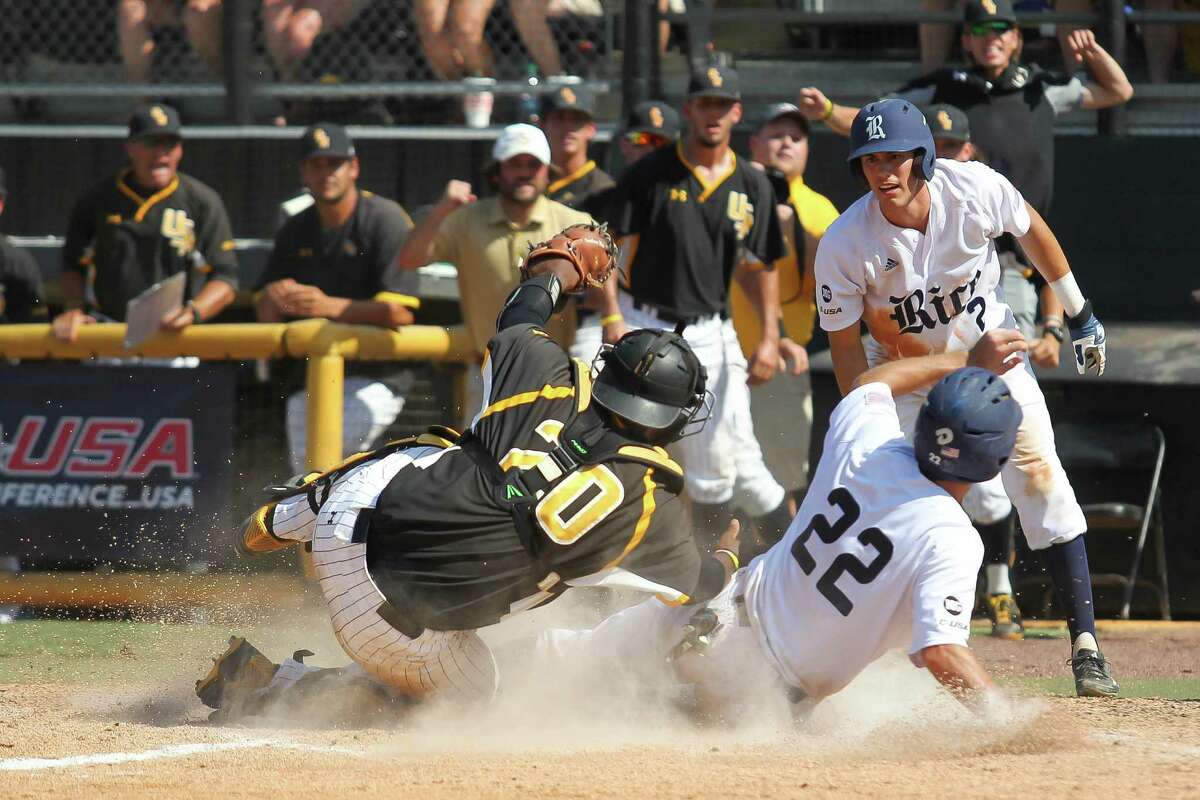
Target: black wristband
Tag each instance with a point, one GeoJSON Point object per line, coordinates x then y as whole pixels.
{"type": "Point", "coordinates": [196, 318]}
{"type": "Point", "coordinates": [783, 334]}
{"type": "Point", "coordinates": [1082, 317]}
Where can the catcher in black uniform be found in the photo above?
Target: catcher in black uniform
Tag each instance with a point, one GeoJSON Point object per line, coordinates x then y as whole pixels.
{"type": "Point", "coordinates": [559, 481]}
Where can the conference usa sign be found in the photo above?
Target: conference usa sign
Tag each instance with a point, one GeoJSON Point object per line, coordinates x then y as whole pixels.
{"type": "Point", "coordinates": [128, 450]}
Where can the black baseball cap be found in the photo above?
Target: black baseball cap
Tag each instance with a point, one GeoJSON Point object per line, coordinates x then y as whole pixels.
{"type": "Point", "coordinates": [653, 116]}
{"type": "Point", "coordinates": [780, 110]}
{"type": "Point", "coordinates": [989, 11]}
{"type": "Point", "coordinates": [715, 80]}
{"type": "Point", "coordinates": [155, 119]}
{"type": "Point", "coordinates": [948, 122]}
{"type": "Point", "coordinates": [326, 139]}
{"type": "Point", "coordinates": [568, 98]}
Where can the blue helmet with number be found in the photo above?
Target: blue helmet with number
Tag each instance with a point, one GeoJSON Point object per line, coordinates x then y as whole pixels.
{"type": "Point", "coordinates": [891, 126]}
{"type": "Point", "coordinates": [967, 428]}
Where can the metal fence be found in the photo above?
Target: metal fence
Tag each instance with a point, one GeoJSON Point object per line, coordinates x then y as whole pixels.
{"type": "Point", "coordinates": [401, 61]}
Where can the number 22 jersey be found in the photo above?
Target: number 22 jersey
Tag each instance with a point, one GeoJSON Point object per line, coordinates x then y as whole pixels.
{"type": "Point", "coordinates": [922, 292]}
{"type": "Point", "coordinates": [878, 557]}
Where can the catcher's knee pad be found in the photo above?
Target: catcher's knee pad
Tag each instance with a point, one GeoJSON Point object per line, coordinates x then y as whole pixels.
{"type": "Point", "coordinates": [257, 536]}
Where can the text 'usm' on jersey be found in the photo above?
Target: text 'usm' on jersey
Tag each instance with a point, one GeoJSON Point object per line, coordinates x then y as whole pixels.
{"type": "Point", "coordinates": [692, 233]}
{"type": "Point", "coordinates": [878, 557]}
{"type": "Point", "coordinates": [442, 543]}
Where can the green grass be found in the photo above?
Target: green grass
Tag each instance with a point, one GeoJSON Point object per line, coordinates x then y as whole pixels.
{"type": "Point", "coordinates": [1161, 688]}
{"type": "Point", "coordinates": [1030, 633]}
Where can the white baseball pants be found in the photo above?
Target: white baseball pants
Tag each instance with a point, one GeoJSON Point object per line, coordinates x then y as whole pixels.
{"type": "Point", "coordinates": [456, 664]}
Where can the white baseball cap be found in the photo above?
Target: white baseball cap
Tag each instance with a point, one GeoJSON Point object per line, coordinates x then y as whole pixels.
{"type": "Point", "coordinates": [522, 139]}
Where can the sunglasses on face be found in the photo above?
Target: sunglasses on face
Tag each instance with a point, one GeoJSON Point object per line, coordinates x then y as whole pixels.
{"type": "Point", "coordinates": [643, 139]}
{"type": "Point", "coordinates": [984, 28]}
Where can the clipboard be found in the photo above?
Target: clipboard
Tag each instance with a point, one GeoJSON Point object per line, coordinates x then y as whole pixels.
{"type": "Point", "coordinates": [144, 312]}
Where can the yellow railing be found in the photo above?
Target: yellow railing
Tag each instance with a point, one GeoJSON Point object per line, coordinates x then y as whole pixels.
{"type": "Point", "coordinates": [326, 345]}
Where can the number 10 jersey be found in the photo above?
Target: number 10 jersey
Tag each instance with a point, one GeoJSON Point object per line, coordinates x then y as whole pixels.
{"type": "Point", "coordinates": [878, 557]}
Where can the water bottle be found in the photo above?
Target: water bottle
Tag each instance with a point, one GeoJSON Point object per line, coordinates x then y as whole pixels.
{"type": "Point", "coordinates": [528, 104]}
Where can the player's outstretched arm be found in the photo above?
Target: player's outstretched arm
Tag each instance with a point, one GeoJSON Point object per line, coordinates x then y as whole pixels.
{"type": "Point", "coordinates": [994, 351]}
{"type": "Point", "coordinates": [956, 668]}
{"type": "Point", "coordinates": [817, 107]}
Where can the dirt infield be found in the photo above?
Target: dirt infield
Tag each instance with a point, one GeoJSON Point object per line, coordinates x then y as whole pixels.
{"type": "Point", "coordinates": [106, 708]}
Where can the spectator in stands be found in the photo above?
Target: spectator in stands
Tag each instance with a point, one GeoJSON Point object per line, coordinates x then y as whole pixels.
{"type": "Point", "coordinates": [568, 118]}
{"type": "Point", "coordinates": [336, 260]}
{"type": "Point", "coordinates": [138, 19]}
{"type": "Point", "coordinates": [649, 126]}
{"type": "Point", "coordinates": [143, 225]}
{"type": "Point", "coordinates": [291, 26]}
{"type": "Point", "coordinates": [20, 280]}
{"type": "Point", "coordinates": [532, 18]}
{"type": "Point", "coordinates": [1162, 41]}
{"type": "Point", "coordinates": [486, 239]}
{"type": "Point", "coordinates": [782, 409]}
{"type": "Point", "coordinates": [451, 33]}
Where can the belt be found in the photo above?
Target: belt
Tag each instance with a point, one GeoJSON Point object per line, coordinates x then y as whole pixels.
{"type": "Point", "coordinates": [673, 318]}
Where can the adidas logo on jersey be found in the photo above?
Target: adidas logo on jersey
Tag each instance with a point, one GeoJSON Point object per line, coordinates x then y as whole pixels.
{"type": "Point", "coordinates": [890, 265]}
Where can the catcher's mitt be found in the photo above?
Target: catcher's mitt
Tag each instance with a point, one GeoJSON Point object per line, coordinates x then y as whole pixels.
{"type": "Point", "coordinates": [589, 248]}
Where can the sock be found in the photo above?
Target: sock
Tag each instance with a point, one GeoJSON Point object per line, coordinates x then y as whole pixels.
{"type": "Point", "coordinates": [1085, 642]}
{"type": "Point", "coordinates": [997, 579]}
{"type": "Point", "coordinates": [1068, 565]}
{"type": "Point", "coordinates": [709, 521]}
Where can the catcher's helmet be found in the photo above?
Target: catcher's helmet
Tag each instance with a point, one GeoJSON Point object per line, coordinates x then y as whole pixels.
{"type": "Point", "coordinates": [653, 379]}
{"type": "Point", "coordinates": [967, 427]}
{"type": "Point", "coordinates": [891, 126]}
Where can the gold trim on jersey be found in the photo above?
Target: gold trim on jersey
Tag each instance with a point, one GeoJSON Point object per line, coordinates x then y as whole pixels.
{"type": "Point", "coordinates": [145, 203]}
{"type": "Point", "coordinates": [656, 455]}
{"type": "Point", "coordinates": [547, 392]}
{"type": "Point", "coordinates": [583, 384]}
{"type": "Point", "coordinates": [567, 180]}
{"type": "Point", "coordinates": [709, 188]}
{"type": "Point", "coordinates": [643, 523]}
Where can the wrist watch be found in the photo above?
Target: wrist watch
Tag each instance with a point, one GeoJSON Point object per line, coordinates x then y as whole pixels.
{"type": "Point", "coordinates": [1054, 330]}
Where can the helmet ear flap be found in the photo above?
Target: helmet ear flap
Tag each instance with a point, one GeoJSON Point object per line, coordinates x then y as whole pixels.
{"type": "Point", "coordinates": [928, 157]}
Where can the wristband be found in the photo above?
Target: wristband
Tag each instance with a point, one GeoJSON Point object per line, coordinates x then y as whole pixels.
{"type": "Point", "coordinates": [732, 557]}
{"type": "Point", "coordinates": [828, 110]}
{"type": "Point", "coordinates": [1067, 292]}
{"type": "Point", "coordinates": [196, 318]}
{"type": "Point", "coordinates": [783, 334]}
{"type": "Point", "coordinates": [611, 319]}
{"type": "Point", "coordinates": [1054, 330]}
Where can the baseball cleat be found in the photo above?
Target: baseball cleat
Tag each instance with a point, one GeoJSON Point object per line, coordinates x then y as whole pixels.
{"type": "Point", "coordinates": [1005, 616]}
{"type": "Point", "coordinates": [256, 535]}
{"type": "Point", "coordinates": [1091, 675]}
{"type": "Point", "coordinates": [241, 668]}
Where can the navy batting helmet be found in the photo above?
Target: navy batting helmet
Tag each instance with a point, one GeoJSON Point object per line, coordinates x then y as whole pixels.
{"type": "Point", "coordinates": [967, 427]}
{"type": "Point", "coordinates": [891, 126]}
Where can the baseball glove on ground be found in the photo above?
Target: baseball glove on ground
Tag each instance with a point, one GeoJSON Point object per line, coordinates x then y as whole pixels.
{"type": "Point", "coordinates": [589, 248]}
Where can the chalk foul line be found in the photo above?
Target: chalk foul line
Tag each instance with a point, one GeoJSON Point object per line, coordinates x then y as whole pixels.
{"type": "Point", "coordinates": [170, 751]}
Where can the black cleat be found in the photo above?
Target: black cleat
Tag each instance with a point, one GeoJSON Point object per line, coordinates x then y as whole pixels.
{"type": "Point", "coordinates": [1091, 675]}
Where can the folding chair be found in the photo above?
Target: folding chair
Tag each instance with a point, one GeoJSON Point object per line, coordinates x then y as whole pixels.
{"type": "Point", "coordinates": [1120, 448]}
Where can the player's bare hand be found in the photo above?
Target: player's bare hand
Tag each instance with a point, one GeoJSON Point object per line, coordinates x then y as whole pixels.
{"type": "Point", "coordinates": [794, 353]}
{"type": "Point", "coordinates": [812, 103]}
{"type": "Point", "coordinates": [1045, 352]}
{"type": "Point", "coordinates": [458, 193]}
{"type": "Point", "coordinates": [1082, 45]}
{"type": "Point", "coordinates": [997, 351]}
{"type": "Point", "coordinates": [764, 362]}
{"type": "Point", "coordinates": [731, 537]}
{"type": "Point", "coordinates": [302, 300]}
{"type": "Point", "coordinates": [613, 331]}
{"type": "Point", "coordinates": [178, 319]}
{"type": "Point", "coordinates": [66, 325]}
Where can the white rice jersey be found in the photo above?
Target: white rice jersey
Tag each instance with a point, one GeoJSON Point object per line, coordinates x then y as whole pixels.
{"type": "Point", "coordinates": [878, 557]}
{"type": "Point", "coordinates": [921, 293]}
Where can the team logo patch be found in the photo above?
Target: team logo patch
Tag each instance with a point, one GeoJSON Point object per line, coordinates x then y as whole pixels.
{"type": "Point", "coordinates": [567, 95]}
{"type": "Point", "coordinates": [944, 120]}
{"type": "Point", "coordinates": [944, 435]}
{"type": "Point", "coordinates": [714, 77]}
{"type": "Point", "coordinates": [875, 127]}
{"type": "Point", "coordinates": [989, 6]}
{"type": "Point", "coordinates": [952, 605]}
{"type": "Point", "coordinates": [321, 138]}
{"type": "Point", "coordinates": [158, 115]}
{"type": "Point", "coordinates": [826, 293]}
{"type": "Point", "coordinates": [656, 116]}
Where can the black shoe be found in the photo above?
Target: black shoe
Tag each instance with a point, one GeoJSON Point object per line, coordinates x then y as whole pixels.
{"type": "Point", "coordinates": [1091, 675]}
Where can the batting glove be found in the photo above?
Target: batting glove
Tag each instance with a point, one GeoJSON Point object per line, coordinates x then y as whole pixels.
{"type": "Point", "coordinates": [1087, 341]}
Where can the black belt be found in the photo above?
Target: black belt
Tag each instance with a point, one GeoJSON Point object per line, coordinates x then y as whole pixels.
{"type": "Point", "coordinates": [675, 319]}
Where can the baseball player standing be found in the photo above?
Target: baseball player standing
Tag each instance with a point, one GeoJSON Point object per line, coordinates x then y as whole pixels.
{"type": "Point", "coordinates": [692, 218]}
{"type": "Point", "coordinates": [880, 556]}
{"type": "Point", "coordinates": [560, 481]}
{"type": "Point", "coordinates": [915, 259]}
